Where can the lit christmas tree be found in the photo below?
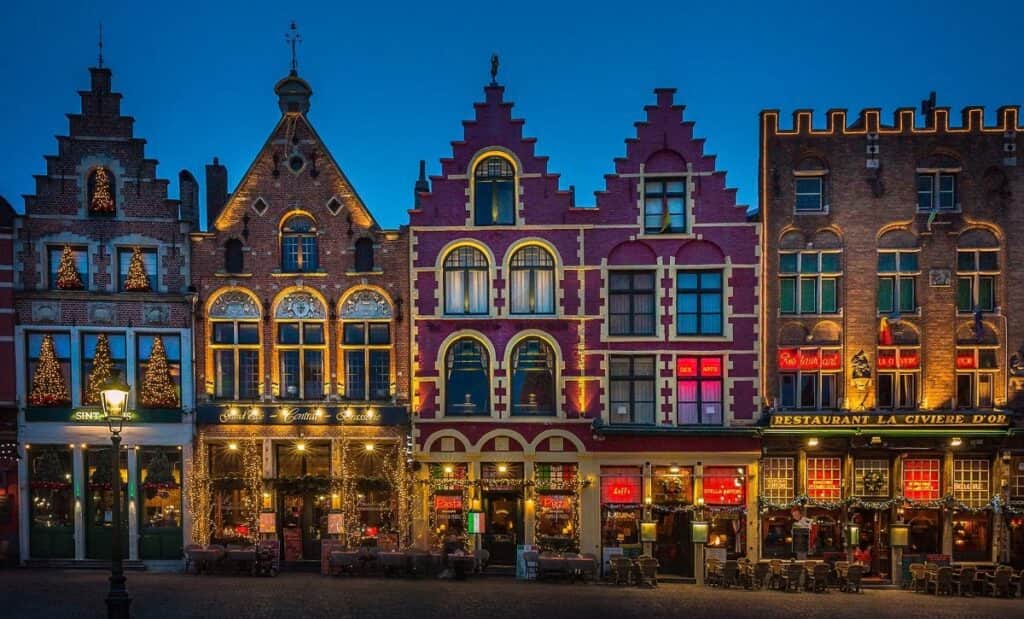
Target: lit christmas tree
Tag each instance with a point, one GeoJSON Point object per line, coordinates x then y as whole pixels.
{"type": "Point", "coordinates": [137, 279]}
{"type": "Point", "coordinates": [68, 277]}
{"type": "Point", "coordinates": [48, 386]}
{"type": "Point", "coordinates": [158, 390]}
{"type": "Point", "coordinates": [102, 370]}
{"type": "Point", "coordinates": [102, 198]}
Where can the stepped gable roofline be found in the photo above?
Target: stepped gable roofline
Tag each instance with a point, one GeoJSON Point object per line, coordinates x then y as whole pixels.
{"type": "Point", "coordinates": [665, 130]}
{"type": "Point", "coordinates": [231, 212]}
{"type": "Point", "coordinates": [905, 120]}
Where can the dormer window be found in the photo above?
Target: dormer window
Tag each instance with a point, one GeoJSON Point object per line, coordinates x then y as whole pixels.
{"type": "Point", "coordinates": [809, 186]}
{"type": "Point", "coordinates": [298, 245]}
{"type": "Point", "coordinates": [494, 192]}
{"type": "Point", "coordinates": [665, 206]}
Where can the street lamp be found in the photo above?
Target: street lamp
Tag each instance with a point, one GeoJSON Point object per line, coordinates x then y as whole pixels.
{"type": "Point", "coordinates": [114, 398]}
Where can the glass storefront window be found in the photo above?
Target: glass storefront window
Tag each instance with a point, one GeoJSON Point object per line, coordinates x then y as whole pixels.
{"type": "Point", "coordinates": [672, 485]}
{"type": "Point", "coordinates": [925, 531]}
{"type": "Point", "coordinates": [52, 499]}
{"type": "Point", "coordinates": [228, 486]}
{"type": "Point", "coordinates": [621, 497]}
{"type": "Point", "coordinates": [777, 534]}
{"type": "Point", "coordinates": [101, 491]}
{"type": "Point", "coordinates": [554, 518]}
{"type": "Point", "coordinates": [300, 458]}
{"type": "Point", "coordinates": [160, 477]}
{"type": "Point", "coordinates": [972, 537]}
{"type": "Point", "coordinates": [726, 531]}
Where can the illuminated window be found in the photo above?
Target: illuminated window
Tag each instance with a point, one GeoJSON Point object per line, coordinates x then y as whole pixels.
{"type": "Point", "coordinates": [631, 387]}
{"type": "Point", "coordinates": [809, 282]}
{"type": "Point", "coordinates": [532, 281]}
{"type": "Point", "coordinates": [467, 379]}
{"type": "Point", "coordinates": [976, 370]}
{"type": "Point", "coordinates": [971, 482]}
{"type": "Point", "coordinates": [299, 245]}
{"type": "Point", "coordinates": [81, 258]}
{"type": "Point", "coordinates": [465, 282]}
{"type": "Point", "coordinates": [51, 508]}
{"type": "Point", "coordinates": [665, 206]}
{"type": "Point", "coordinates": [62, 352]}
{"type": "Point", "coordinates": [115, 345]}
{"type": "Point", "coordinates": [699, 390]}
{"type": "Point", "coordinates": [898, 372]}
{"type": "Point", "coordinates": [778, 479]}
{"type": "Point", "coordinates": [234, 329]}
{"type": "Point", "coordinates": [366, 347]}
{"type": "Point", "coordinates": [144, 343]}
{"type": "Point", "coordinates": [809, 378]}
{"type": "Point", "coordinates": [897, 280]}
{"type": "Point", "coordinates": [824, 478]}
{"type": "Point", "coordinates": [301, 346]}
{"type": "Point", "coordinates": [124, 261]}
{"type": "Point", "coordinates": [921, 479]}
{"type": "Point", "coordinates": [631, 307]}
{"type": "Point", "coordinates": [494, 189]}
{"type": "Point", "coordinates": [870, 477]}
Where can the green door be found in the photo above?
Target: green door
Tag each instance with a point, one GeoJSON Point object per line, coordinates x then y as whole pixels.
{"type": "Point", "coordinates": [160, 503]}
{"type": "Point", "coordinates": [99, 503]}
{"type": "Point", "coordinates": [52, 503]}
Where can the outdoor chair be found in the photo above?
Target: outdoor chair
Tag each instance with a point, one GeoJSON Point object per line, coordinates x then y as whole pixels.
{"type": "Point", "coordinates": [853, 578]}
{"type": "Point", "coordinates": [999, 583]}
{"type": "Point", "coordinates": [791, 577]}
{"type": "Point", "coordinates": [647, 574]}
{"type": "Point", "coordinates": [712, 572]}
{"type": "Point", "coordinates": [583, 566]}
{"type": "Point", "coordinates": [918, 577]}
{"type": "Point", "coordinates": [760, 577]}
{"type": "Point", "coordinates": [964, 585]}
{"type": "Point", "coordinates": [530, 559]}
{"type": "Point", "coordinates": [819, 578]}
{"type": "Point", "coordinates": [944, 581]}
{"type": "Point", "coordinates": [730, 574]}
{"type": "Point", "coordinates": [621, 570]}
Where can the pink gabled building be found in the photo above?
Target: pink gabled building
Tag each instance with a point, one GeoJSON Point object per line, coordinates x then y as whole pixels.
{"type": "Point", "coordinates": [577, 371]}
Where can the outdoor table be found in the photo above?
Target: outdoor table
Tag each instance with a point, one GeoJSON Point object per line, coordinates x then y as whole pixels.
{"type": "Point", "coordinates": [581, 566]}
{"type": "Point", "coordinates": [462, 565]}
{"type": "Point", "coordinates": [393, 561]}
{"type": "Point", "coordinates": [243, 558]}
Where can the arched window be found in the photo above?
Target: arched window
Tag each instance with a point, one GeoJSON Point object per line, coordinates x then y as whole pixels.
{"type": "Point", "coordinates": [234, 261]}
{"type": "Point", "coordinates": [366, 346]}
{"type": "Point", "coordinates": [467, 379]}
{"type": "Point", "coordinates": [102, 195]}
{"type": "Point", "coordinates": [298, 245]}
{"type": "Point", "coordinates": [494, 190]}
{"type": "Point", "coordinates": [364, 255]}
{"type": "Point", "coordinates": [299, 326]}
{"type": "Point", "coordinates": [234, 326]}
{"type": "Point", "coordinates": [532, 281]}
{"type": "Point", "coordinates": [533, 378]}
{"type": "Point", "coordinates": [465, 282]}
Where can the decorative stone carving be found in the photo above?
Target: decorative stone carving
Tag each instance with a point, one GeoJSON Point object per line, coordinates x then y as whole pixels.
{"type": "Point", "coordinates": [234, 304]}
{"type": "Point", "coordinates": [45, 311]}
{"type": "Point", "coordinates": [155, 314]}
{"type": "Point", "coordinates": [861, 366]}
{"type": "Point", "coordinates": [102, 313]}
{"type": "Point", "coordinates": [301, 306]}
{"type": "Point", "coordinates": [365, 304]}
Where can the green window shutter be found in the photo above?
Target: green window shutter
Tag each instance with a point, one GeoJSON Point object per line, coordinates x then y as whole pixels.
{"type": "Point", "coordinates": [828, 296]}
{"type": "Point", "coordinates": [964, 294]}
{"type": "Point", "coordinates": [986, 293]}
{"type": "Point", "coordinates": [808, 295]}
{"type": "Point", "coordinates": [885, 294]}
{"type": "Point", "coordinates": [787, 295]}
{"type": "Point", "coordinates": [908, 301]}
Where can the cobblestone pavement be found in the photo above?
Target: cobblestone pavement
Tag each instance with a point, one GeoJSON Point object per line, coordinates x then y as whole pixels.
{"type": "Point", "coordinates": [49, 593]}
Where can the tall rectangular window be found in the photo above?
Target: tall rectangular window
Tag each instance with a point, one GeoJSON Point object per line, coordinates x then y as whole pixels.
{"type": "Point", "coordinates": [778, 479]}
{"type": "Point", "coordinates": [632, 394]}
{"type": "Point", "coordinates": [366, 350]}
{"type": "Point", "coordinates": [976, 370]}
{"type": "Point", "coordinates": [110, 345]}
{"type": "Point", "coordinates": [699, 303]}
{"type": "Point", "coordinates": [976, 272]}
{"type": "Point", "coordinates": [145, 344]}
{"type": "Point", "coordinates": [665, 206]}
{"type": "Point", "coordinates": [809, 378]}
{"type": "Point", "coordinates": [809, 282]}
{"type": "Point", "coordinates": [870, 477]}
{"type": "Point", "coordinates": [124, 262]}
{"type": "Point", "coordinates": [81, 260]}
{"type": "Point", "coordinates": [699, 390]}
{"type": "Point", "coordinates": [62, 355]}
{"type": "Point", "coordinates": [631, 307]}
{"type": "Point", "coordinates": [825, 478]}
{"type": "Point", "coordinates": [897, 281]}
{"type": "Point", "coordinates": [972, 482]}
{"type": "Point", "coordinates": [898, 375]}
{"type": "Point", "coordinates": [936, 191]}
{"type": "Point", "coordinates": [809, 194]}
{"type": "Point", "coordinates": [236, 356]}
{"type": "Point", "coordinates": [301, 360]}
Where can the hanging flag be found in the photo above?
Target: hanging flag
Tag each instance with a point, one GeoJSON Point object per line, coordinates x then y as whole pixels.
{"type": "Point", "coordinates": [884, 332]}
{"type": "Point", "coordinates": [979, 325]}
{"type": "Point", "coordinates": [932, 214]}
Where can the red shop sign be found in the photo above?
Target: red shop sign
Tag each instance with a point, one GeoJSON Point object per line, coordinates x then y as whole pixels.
{"type": "Point", "coordinates": [789, 359]}
{"type": "Point", "coordinates": [554, 502]}
{"type": "Point", "coordinates": [686, 367]}
{"type": "Point", "coordinates": [965, 360]}
{"type": "Point", "coordinates": [921, 479]}
{"type": "Point", "coordinates": [723, 486]}
{"type": "Point", "coordinates": [447, 502]}
{"type": "Point", "coordinates": [711, 366]}
{"type": "Point", "coordinates": [809, 360]}
{"type": "Point", "coordinates": [831, 360]}
{"type": "Point", "coordinates": [909, 360]}
{"type": "Point", "coordinates": [620, 489]}
{"type": "Point", "coordinates": [887, 359]}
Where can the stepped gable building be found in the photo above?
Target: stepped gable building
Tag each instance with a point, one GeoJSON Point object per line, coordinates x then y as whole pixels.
{"type": "Point", "coordinates": [101, 264]}
{"type": "Point", "coordinates": [579, 370]}
{"type": "Point", "coordinates": [893, 377]}
{"type": "Point", "coordinates": [301, 355]}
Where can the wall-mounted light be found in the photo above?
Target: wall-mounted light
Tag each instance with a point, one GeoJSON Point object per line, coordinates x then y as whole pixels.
{"type": "Point", "coordinates": [812, 442]}
{"type": "Point", "coordinates": [368, 447]}
{"type": "Point", "coordinates": [233, 446]}
{"type": "Point", "coordinates": [955, 441]}
{"type": "Point", "coordinates": [300, 446]}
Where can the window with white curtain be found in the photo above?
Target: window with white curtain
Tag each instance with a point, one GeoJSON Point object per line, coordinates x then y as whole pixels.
{"type": "Point", "coordinates": [532, 275]}
{"type": "Point", "coordinates": [465, 282]}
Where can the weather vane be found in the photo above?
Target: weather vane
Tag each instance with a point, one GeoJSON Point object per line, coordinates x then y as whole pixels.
{"type": "Point", "coordinates": [292, 38]}
{"type": "Point", "coordinates": [494, 69]}
{"type": "Point", "coordinates": [101, 46]}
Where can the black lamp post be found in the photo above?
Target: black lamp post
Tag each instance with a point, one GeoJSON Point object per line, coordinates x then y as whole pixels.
{"type": "Point", "coordinates": [114, 398]}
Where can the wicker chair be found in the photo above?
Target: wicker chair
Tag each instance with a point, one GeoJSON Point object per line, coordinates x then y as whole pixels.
{"type": "Point", "coordinates": [791, 577]}
{"type": "Point", "coordinates": [819, 578]}
{"type": "Point", "coordinates": [918, 577]}
{"type": "Point", "coordinates": [647, 575]}
{"type": "Point", "coordinates": [944, 581]}
{"type": "Point", "coordinates": [712, 572]}
{"type": "Point", "coordinates": [760, 578]}
{"type": "Point", "coordinates": [730, 574]}
{"type": "Point", "coordinates": [853, 577]}
{"type": "Point", "coordinates": [964, 585]}
{"type": "Point", "coordinates": [999, 583]}
{"type": "Point", "coordinates": [622, 568]}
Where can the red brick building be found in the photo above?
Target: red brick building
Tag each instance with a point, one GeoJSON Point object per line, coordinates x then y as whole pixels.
{"type": "Point", "coordinates": [301, 351]}
{"type": "Point", "coordinates": [101, 283]}
{"type": "Point", "coordinates": [891, 338]}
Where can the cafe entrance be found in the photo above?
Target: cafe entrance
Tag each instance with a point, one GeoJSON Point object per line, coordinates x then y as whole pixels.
{"type": "Point", "coordinates": [673, 548]}
{"type": "Point", "coordinates": [303, 519]}
{"type": "Point", "coordinates": [873, 549]}
{"type": "Point", "coordinates": [504, 514]}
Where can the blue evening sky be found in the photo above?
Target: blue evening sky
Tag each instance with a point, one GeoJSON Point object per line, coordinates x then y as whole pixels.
{"type": "Point", "coordinates": [394, 80]}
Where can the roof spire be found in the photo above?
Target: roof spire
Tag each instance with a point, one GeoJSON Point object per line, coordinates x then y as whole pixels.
{"type": "Point", "coordinates": [494, 69]}
{"type": "Point", "coordinates": [100, 45]}
{"type": "Point", "coordinates": [292, 37]}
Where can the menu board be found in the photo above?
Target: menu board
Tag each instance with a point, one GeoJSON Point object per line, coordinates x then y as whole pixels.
{"type": "Point", "coordinates": [723, 485]}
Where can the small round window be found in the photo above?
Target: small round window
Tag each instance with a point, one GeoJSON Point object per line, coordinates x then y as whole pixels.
{"type": "Point", "coordinates": [296, 163]}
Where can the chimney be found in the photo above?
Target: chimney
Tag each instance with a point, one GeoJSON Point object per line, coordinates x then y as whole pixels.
{"type": "Point", "coordinates": [216, 191]}
{"type": "Point", "coordinates": [188, 199]}
{"type": "Point", "coordinates": [422, 184]}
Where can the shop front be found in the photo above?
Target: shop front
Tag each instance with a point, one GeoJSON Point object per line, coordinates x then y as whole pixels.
{"type": "Point", "coordinates": [724, 495]}
{"type": "Point", "coordinates": [501, 488]}
{"type": "Point", "coordinates": [673, 506]}
{"type": "Point", "coordinates": [302, 482]}
{"type": "Point", "coordinates": [622, 499]}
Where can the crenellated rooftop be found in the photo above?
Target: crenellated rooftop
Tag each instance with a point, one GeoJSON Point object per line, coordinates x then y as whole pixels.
{"type": "Point", "coordinates": [904, 121]}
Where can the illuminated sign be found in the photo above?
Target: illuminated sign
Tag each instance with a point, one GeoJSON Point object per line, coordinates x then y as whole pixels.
{"type": "Point", "coordinates": [96, 415]}
{"type": "Point", "coordinates": [475, 522]}
{"type": "Point", "coordinates": [690, 367]}
{"type": "Point", "coordinates": [448, 502]}
{"type": "Point", "coordinates": [809, 360]}
{"type": "Point", "coordinates": [621, 489]}
{"type": "Point", "coordinates": [554, 502]}
{"type": "Point", "coordinates": [723, 485]}
{"type": "Point", "coordinates": [874, 420]}
{"type": "Point", "coordinates": [921, 479]}
{"type": "Point", "coordinates": [250, 414]}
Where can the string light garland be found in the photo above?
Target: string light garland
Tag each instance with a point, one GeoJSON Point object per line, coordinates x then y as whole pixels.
{"type": "Point", "coordinates": [158, 390]}
{"type": "Point", "coordinates": [947, 502]}
{"type": "Point", "coordinates": [102, 199]}
{"type": "Point", "coordinates": [137, 279]}
{"type": "Point", "coordinates": [68, 277]}
{"type": "Point", "coordinates": [252, 471]}
{"type": "Point", "coordinates": [101, 372]}
{"type": "Point", "coordinates": [199, 489]}
{"type": "Point", "coordinates": [48, 385]}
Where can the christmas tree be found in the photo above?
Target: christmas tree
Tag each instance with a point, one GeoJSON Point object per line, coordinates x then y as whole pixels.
{"type": "Point", "coordinates": [68, 277]}
{"type": "Point", "coordinates": [137, 279]}
{"type": "Point", "coordinates": [47, 471]}
{"type": "Point", "coordinates": [102, 198]}
{"type": "Point", "coordinates": [158, 390]}
{"type": "Point", "coordinates": [48, 386]}
{"type": "Point", "coordinates": [103, 475]}
{"type": "Point", "coordinates": [159, 474]}
{"type": "Point", "coordinates": [102, 369]}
